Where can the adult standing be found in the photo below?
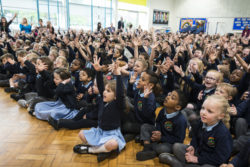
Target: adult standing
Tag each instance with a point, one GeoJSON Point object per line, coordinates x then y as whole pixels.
{"type": "Point", "coordinates": [121, 24]}
{"type": "Point", "coordinates": [24, 26]}
{"type": "Point", "coordinates": [246, 32]}
{"type": "Point", "coordinates": [50, 28]}
{"type": "Point", "coordinates": [4, 25]}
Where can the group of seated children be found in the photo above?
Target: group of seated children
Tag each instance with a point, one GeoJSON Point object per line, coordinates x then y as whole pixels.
{"type": "Point", "coordinates": [145, 87]}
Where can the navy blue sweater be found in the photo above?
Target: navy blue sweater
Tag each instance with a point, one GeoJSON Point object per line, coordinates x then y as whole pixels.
{"type": "Point", "coordinates": [242, 158]}
{"type": "Point", "coordinates": [243, 110]}
{"type": "Point", "coordinates": [145, 108]}
{"type": "Point", "coordinates": [173, 130]}
{"type": "Point", "coordinates": [45, 85]}
{"type": "Point", "coordinates": [213, 147]}
{"type": "Point", "coordinates": [66, 92]}
{"type": "Point", "coordinates": [109, 114]}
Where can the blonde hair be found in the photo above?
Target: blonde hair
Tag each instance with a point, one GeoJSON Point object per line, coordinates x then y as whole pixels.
{"type": "Point", "coordinates": [32, 56]}
{"type": "Point", "coordinates": [144, 64]}
{"type": "Point", "coordinates": [188, 88]}
{"type": "Point", "coordinates": [200, 65]}
{"type": "Point", "coordinates": [224, 107]}
{"type": "Point", "coordinates": [231, 91]}
{"type": "Point", "coordinates": [64, 61]}
{"type": "Point", "coordinates": [224, 69]}
{"type": "Point", "coordinates": [218, 75]}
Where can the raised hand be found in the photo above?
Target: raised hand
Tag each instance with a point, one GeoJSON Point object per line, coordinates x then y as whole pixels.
{"type": "Point", "coordinates": [200, 95]}
{"type": "Point", "coordinates": [66, 80]}
{"type": "Point", "coordinates": [233, 110]}
{"type": "Point", "coordinates": [79, 96]}
{"type": "Point", "coordinates": [193, 69]}
{"type": "Point", "coordinates": [117, 69]}
{"type": "Point", "coordinates": [11, 61]}
{"type": "Point", "coordinates": [154, 45]}
{"type": "Point", "coordinates": [179, 70]}
{"type": "Point", "coordinates": [133, 78]}
{"type": "Point", "coordinates": [96, 64]}
{"type": "Point", "coordinates": [147, 90]}
{"type": "Point", "coordinates": [41, 67]}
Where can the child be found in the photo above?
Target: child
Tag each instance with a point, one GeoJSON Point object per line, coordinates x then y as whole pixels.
{"type": "Point", "coordinates": [86, 75]}
{"type": "Point", "coordinates": [20, 75]}
{"type": "Point", "coordinates": [87, 116]}
{"type": "Point", "coordinates": [65, 106]}
{"type": "Point", "coordinates": [211, 144]}
{"type": "Point", "coordinates": [170, 128]}
{"type": "Point", "coordinates": [61, 62]}
{"type": "Point", "coordinates": [75, 67]}
{"type": "Point", "coordinates": [139, 67]}
{"type": "Point", "coordinates": [10, 67]}
{"type": "Point", "coordinates": [241, 159]}
{"type": "Point", "coordinates": [144, 103]}
{"type": "Point", "coordinates": [44, 83]}
{"type": "Point", "coordinates": [107, 137]}
{"type": "Point", "coordinates": [201, 91]}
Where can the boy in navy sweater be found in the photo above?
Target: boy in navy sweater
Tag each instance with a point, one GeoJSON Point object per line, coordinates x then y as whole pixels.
{"type": "Point", "coordinates": [170, 128]}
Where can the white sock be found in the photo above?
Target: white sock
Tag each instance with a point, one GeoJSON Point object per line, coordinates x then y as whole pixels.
{"type": "Point", "coordinates": [99, 149]}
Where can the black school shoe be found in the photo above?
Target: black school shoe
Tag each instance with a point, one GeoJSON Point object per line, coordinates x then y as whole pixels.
{"type": "Point", "coordinates": [17, 96]}
{"type": "Point", "coordinates": [81, 149]}
{"type": "Point", "coordinates": [129, 137]}
{"type": "Point", "coordinates": [137, 139]}
{"type": "Point", "coordinates": [53, 123]}
{"type": "Point", "coordinates": [31, 112]}
{"type": "Point", "coordinates": [169, 159]}
{"type": "Point", "coordinates": [10, 89]}
{"type": "Point", "coordinates": [102, 156]}
{"type": "Point", "coordinates": [146, 154]}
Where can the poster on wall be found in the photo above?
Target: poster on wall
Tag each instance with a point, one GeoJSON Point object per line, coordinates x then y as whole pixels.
{"type": "Point", "coordinates": [198, 23]}
{"type": "Point", "coordinates": [160, 17]}
{"type": "Point", "coordinates": [241, 23]}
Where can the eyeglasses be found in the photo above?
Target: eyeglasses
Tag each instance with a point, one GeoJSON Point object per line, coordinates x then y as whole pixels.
{"type": "Point", "coordinates": [210, 78]}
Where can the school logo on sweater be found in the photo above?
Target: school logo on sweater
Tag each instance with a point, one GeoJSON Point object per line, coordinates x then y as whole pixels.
{"type": "Point", "coordinates": [168, 125]}
{"type": "Point", "coordinates": [211, 142]}
{"type": "Point", "coordinates": [139, 105]}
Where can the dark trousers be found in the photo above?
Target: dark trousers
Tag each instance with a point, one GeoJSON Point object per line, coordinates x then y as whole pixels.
{"type": "Point", "coordinates": [129, 124]}
{"type": "Point", "coordinates": [4, 83]}
{"type": "Point", "coordinates": [36, 100]}
{"type": "Point", "coordinates": [145, 135]}
{"type": "Point", "coordinates": [179, 151]}
{"type": "Point", "coordinates": [77, 122]}
{"type": "Point", "coordinates": [4, 76]}
{"type": "Point", "coordinates": [239, 143]}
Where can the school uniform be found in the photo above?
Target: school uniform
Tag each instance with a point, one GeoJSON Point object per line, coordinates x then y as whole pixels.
{"type": "Point", "coordinates": [64, 107]}
{"type": "Point", "coordinates": [197, 88]}
{"type": "Point", "coordinates": [167, 82]}
{"type": "Point", "coordinates": [213, 144]}
{"type": "Point", "coordinates": [75, 78]}
{"type": "Point", "coordinates": [132, 87]}
{"type": "Point", "coordinates": [109, 117]}
{"type": "Point", "coordinates": [83, 88]}
{"type": "Point", "coordinates": [242, 126]}
{"type": "Point", "coordinates": [144, 108]}
{"type": "Point", "coordinates": [242, 159]}
{"type": "Point", "coordinates": [172, 127]}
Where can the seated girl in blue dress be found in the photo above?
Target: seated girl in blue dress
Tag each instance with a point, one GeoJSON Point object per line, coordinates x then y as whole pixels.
{"type": "Point", "coordinates": [65, 106]}
{"type": "Point", "coordinates": [106, 139]}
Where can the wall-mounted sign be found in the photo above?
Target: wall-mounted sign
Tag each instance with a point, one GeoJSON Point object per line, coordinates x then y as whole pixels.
{"type": "Point", "coordinates": [160, 17]}
{"type": "Point", "coordinates": [191, 22]}
{"type": "Point", "coordinates": [241, 23]}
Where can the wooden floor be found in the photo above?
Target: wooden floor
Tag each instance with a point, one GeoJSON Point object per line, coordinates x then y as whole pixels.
{"type": "Point", "coordinates": [28, 142]}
